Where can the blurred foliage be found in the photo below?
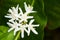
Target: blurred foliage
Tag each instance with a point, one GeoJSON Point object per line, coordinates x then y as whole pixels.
{"type": "Point", "coordinates": [48, 15]}
{"type": "Point", "coordinates": [52, 10]}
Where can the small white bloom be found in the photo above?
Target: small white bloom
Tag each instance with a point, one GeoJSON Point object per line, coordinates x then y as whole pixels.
{"type": "Point", "coordinates": [31, 27]}
{"type": "Point", "coordinates": [29, 9]}
{"type": "Point", "coordinates": [24, 16]}
{"type": "Point", "coordinates": [13, 13]}
{"type": "Point", "coordinates": [13, 25]}
{"type": "Point", "coordinates": [22, 29]}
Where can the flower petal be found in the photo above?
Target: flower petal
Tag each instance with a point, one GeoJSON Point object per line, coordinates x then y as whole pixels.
{"type": "Point", "coordinates": [22, 33]}
{"type": "Point", "coordinates": [29, 17]}
{"type": "Point", "coordinates": [25, 5]}
{"type": "Point", "coordinates": [10, 29]}
{"type": "Point", "coordinates": [34, 31]}
{"type": "Point", "coordinates": [35, 25]}
{"type": "Point", "coordinates": [11, 25]}
{"type": "Point", "coordinates": [31, 21]}
{"type": "Point", "coordinates": [21, 12]}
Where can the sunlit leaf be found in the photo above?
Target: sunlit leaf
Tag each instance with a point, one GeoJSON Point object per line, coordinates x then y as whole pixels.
{"type": "Point", "coordinates": [4, 35]}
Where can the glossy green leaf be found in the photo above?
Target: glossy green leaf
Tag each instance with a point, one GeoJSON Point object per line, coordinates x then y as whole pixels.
{"type": "Point", "coordinates": [4, 35]}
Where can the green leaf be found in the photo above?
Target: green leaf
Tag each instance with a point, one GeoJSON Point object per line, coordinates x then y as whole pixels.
{"type": "Point", "coordinates": [4, 35]}
{"type": "Point", "coordinates": [52, 10]}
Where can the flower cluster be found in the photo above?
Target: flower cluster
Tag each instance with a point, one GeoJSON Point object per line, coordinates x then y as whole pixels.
{"type": "Point", "coordinates": [19, 20]}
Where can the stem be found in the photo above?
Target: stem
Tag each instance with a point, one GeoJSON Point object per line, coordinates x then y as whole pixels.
{"type": "Point", "coordinates": [32, 3]}
{"type": "Point", "coordinates": [42, 5]}
{"type": "Point", "coordinates": [17, 36]}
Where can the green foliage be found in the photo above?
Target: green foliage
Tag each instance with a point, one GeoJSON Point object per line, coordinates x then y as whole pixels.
{"type": "Point", "coordinates": [52, 10]}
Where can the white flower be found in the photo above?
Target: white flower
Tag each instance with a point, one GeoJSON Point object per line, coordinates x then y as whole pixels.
{"type": "Point", "coordinates": [19, 20]}
{"type": "Point", "coordinates": [22, 29]}
{"type": "Point", "coordinates": [31, 27]}
{"type": "Point", "coordinates": [13, 25]}
{"type": "Point", "coordinates": [13, 13]}
{"type": "Point", "coordinates": [24, 16]}
{"type": "Point", "coordinates": [29, 9]}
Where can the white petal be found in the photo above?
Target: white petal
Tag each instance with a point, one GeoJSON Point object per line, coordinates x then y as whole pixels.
{"type": "Point", "coordinates": [21, 12]}
{"type": "Point", "coordinates": [11, 25]}
{"type": "Point", "coordinates": [15, 31]}
{"type": "Point", "coordinates": [35, 25]}
{"type": "Point", "coordinates": [30, 7]}
{"type": "Point", "coordinates": [13, 9]}
{"type": "Point", "coordinates": [31, 11]}
{"type": "Point", "coordinates": [22, 33]}
{"type": "Point", "coordinates": [34, 31]}
{"type": "Point", "coordinates": [11, 20]}
{"type": "Point", "coordinates": [28, 31]}
{"type": "Point", "coordinates": [31, 21]}
{"type": "Point", "coordinates": [8, 16]}
{"type": "Point", "coordinates": [25, 20]}
{"type": "Point", "coordinates": [10, 11]}
{"type": "Point", "coordinates": [25, 5]}
{"type": "Point", "coordinates": [30, 17]}
{"type": "Point", "coordinates": [17, 19]}
{"type": "Point", "coordinates": [17, 7]}
{"type": "Point", "coordinates": [26, 13]}
{"type": "Point", "coordinates": [10, 29]}
{"type": "Point", "coordinates": [20, 21]}
{"type": "Point", "coordinates": [19, 29]}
